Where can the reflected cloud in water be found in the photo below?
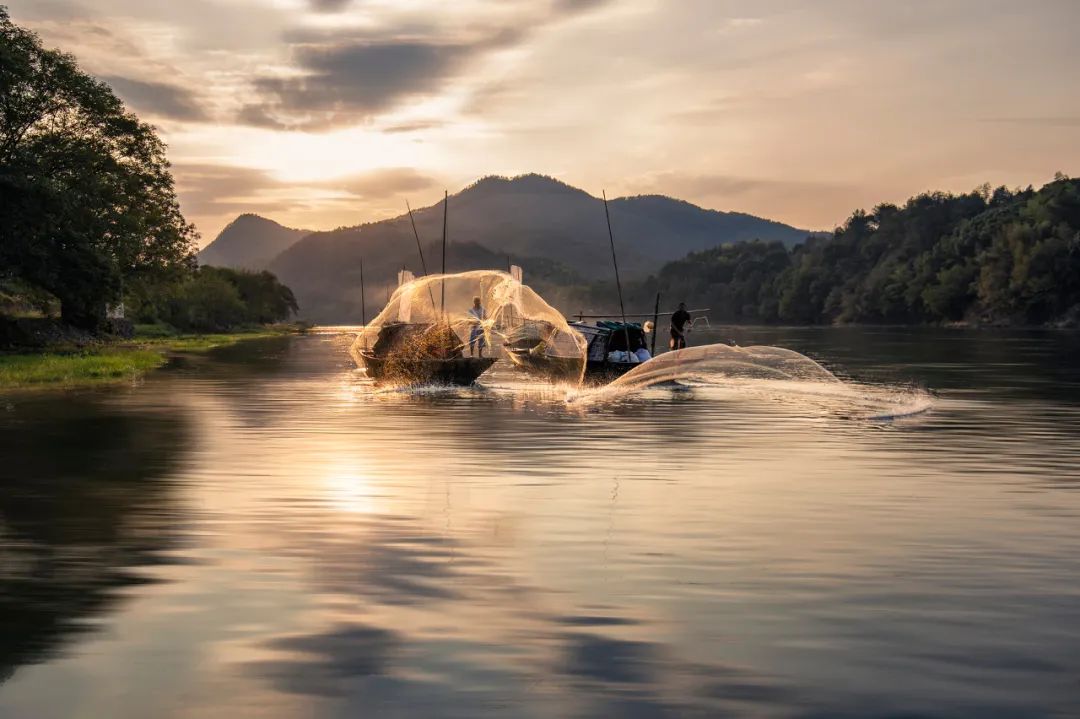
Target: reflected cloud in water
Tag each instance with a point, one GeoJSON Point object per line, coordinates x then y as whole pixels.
{"type": "Point", "coordinates": [263, 535]}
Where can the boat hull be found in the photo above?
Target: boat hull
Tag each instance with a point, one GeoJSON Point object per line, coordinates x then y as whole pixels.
{"type": "Point", "coordinates": [458, 371]}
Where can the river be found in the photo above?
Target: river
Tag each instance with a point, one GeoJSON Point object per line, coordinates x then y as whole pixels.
{"type": "Point", "coordinates": [258, 532]}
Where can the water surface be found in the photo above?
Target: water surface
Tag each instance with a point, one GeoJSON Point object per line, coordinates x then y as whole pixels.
{"type": "Point", "coordinates": [258, 533]}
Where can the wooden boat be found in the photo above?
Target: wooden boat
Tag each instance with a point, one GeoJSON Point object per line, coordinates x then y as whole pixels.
{"type": "Point", "coordinates": [418, 354]}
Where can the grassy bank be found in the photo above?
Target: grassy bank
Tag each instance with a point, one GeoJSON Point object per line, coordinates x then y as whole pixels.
{"type": "Point", "coordinates": [155, 337]}
{"type": "Point", "coordinates": [115, 362]}
{"type": "Point", "coordinates": [48, 369]}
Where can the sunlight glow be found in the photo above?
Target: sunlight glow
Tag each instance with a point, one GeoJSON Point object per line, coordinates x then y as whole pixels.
{"type": "Point", "coordinates": [349, 489]}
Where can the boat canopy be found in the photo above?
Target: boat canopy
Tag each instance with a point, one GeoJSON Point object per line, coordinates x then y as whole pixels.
{"type": "Point", "coordinates": [609, 336]}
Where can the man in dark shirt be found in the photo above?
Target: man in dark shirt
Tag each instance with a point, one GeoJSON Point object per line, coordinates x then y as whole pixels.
{"type": "Point", "coordinates": [678, 324]}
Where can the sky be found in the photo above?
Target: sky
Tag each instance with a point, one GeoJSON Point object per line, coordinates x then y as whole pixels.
{"type": "Point", "coordinates": [329, 113]}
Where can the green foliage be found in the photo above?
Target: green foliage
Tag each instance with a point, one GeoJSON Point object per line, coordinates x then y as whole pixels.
{"type": "Point", "coordinates": [214, 299]}
{"type": "Point", "coordinates": [56, 369]}
{"type": "Point", "coordinates": [264, 298]}
{"type": "Point", "coordinates": [87, 203]}
{"type": "Point", "coordinates": [207, 303]}
{"type": "Point", "coordinates": [114, 363]}
{"type": "Point", "coordinates": [990, 256]}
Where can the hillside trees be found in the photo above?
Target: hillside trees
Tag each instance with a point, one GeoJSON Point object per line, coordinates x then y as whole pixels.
{"type": "Point", "coordinates": [86, 197]}
{"type": "Point", "coordinates": [1002, 256]}
{"type": "Point", "coordinates": [216, 299]}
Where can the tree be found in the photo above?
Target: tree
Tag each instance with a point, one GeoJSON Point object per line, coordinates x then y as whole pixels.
{"type": "Point", "coordinates": [87, 201]}
{"type": "Point", "coordinates": [266, 299]}
{"type": "Point", "coordinates": [207, 303]}
{"type": "Point", "coordinates": [993, 255]}
{"type": "Point", "coordinates": [215, 299]}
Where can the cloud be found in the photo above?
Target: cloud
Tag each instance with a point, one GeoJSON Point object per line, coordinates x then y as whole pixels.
{"type": "Point", "coordinates": [328, 5]}
{"type": "Point", "coordinates": [211, 194]}
{"type": "Point", "coordinates": [383, 183]}
{"type": "Point", "coordinates": [342, 83]}
{"type": "Point", "coordinates": [761, 196]}
{"type": "Point", "coordinates": [158, 98]}
{"type": "Point", "coordinates": [341, 78]}
{"type": "Point", "coordinates": [414, 126]}
{"type": "Point", "coordinates": [206, 189]}
{"type": "Point", "coordinates": [715, 185]}
{"type": "Point", "coordinates": [573, 7]}
{"type": "Point", "coordinates": [49, 10]}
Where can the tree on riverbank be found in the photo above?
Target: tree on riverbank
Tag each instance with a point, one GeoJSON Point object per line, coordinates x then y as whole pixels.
{"type": "Point", "coordinates": [989, 256]}
{"type": "Point", "coordinates": [215, 299]}
{"type": "Point", "coordinates": [87, 203]}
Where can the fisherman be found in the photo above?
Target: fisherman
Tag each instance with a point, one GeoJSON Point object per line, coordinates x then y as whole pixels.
{"type": "Point", "coordinates": [678, 323]}
{"type": "Point", "coordinates": [476, 332]}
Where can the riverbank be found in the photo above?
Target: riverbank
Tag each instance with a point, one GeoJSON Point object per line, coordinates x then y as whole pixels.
{"type": "Point", "coordinates": [110, 362]}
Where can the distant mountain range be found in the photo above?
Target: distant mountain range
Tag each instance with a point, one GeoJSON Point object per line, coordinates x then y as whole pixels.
{"type": "Point", "coordinates": [249, 242]}
{"type": "Point", "coordinates": [557, 232]}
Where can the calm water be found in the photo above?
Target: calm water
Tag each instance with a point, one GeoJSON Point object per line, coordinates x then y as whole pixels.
{"type": "Point", "coordinates": [257, 533]}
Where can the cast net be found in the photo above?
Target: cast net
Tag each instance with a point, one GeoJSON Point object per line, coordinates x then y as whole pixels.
{"type": "Point", "coordinates": [718, 364]}
{"type": "Point", "coordinates": [730, 362]}
{"type": "Point", "coordinates": [437, 318]}
{"type": "Point", "coordinates": [765, 371]}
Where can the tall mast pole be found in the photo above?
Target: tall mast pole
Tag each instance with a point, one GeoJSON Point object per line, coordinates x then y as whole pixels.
{"type": "Point", "coordinates": [446, 198]}
{"type": "Point", "coordinates": [618, 282]}
{"type": "Point", "coordinates": [655, 324]}
{"type": "Point", "coordinates": [420, 249]}
{"type": "Point", "coordinates": [363, 307]}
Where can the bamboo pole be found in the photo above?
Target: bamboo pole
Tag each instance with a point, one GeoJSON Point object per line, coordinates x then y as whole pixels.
{"type": "Point", "coordinates": [655, 324]}
{"type": "Point", "coordinates": [618, 282]}
{"type": "Point", "coordinates": [363, 306]}
{"type": "Point", "coordinates": [446, 202]}
{"type": "Point", "coordinates": [420, 249]}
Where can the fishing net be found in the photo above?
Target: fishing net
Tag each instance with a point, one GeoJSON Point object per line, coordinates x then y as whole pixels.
{"type": "Point", "coordinates": [717, 364]}
{"type": "Point", "coordinates": [718, 361]}
{"type": "Point", "coordinates": [771, 372]}
{"type": "Point", "coordinates": [435, 317]}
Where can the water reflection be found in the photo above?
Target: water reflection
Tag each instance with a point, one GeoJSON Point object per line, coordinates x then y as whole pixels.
{"type": "Point", "coordinates": [85, 503]}
{"type": "Point", "coordinates": [318, 549]}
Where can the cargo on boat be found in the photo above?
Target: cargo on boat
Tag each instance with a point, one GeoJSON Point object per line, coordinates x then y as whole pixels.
{"type": "Point", "coordinates": [612, 350]}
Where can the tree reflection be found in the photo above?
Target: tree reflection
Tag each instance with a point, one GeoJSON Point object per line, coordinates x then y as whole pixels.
{"type": "Point", "coordinates": [85, 501]}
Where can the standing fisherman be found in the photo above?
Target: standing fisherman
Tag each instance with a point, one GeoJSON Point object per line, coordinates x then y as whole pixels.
{"type": "Point", "coordinates": [678, 324]}
{"type": "Point", "coordinates": [476, 332]}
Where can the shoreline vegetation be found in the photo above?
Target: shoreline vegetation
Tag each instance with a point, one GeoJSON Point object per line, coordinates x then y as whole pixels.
{"type": "Point", "coordinates": [99, 280]}
{"type": "Point", "coordinates": [984, 259]}
{"type": "Point", "coordinates": [118, 361]}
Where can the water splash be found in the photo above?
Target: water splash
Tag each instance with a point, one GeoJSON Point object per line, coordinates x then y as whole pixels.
{"type": "Point", "coordinates": [761, 371]}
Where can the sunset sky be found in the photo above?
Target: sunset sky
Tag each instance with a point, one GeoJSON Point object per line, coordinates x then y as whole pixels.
{"type": "Point", "coordinates": [321, 113]}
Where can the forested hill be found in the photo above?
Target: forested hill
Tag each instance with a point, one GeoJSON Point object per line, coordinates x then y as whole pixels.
{"type": "Point", "coordinates": [530, 219]}
{"type": "Point", "coordinates": [990, 256]}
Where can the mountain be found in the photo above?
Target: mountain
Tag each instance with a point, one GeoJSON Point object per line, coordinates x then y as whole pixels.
{"type": "Point", "coordinates": [249, 242]}
{"type": "Point", "coordinates": [557, 232]}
